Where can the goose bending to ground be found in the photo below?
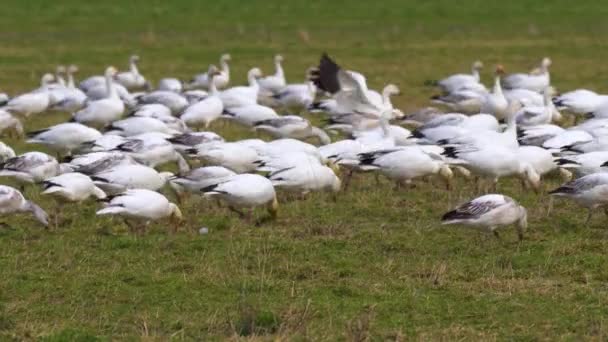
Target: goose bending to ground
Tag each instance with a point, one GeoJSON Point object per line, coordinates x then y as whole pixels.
{"type": "Point", "coordinates": [204, 112]}
{"type": "Point", "coordinates": [243, 95]}
{"type": "Point", "coordinates": [6, 152]}
{"type": "Point", "coordinates": [141, 205]}
{"type": "Point", "coordinates": [538, 115]}
{"type": "Point", "coordinates": [590, 192]}
{"type": "Point", "coordinates": [175, 102]}
{"type": "Point", "coordinates": [580, 101]}
{"type": "Point", "coordinates": [297, 96]}
{"type": "Point", "coordinates": [234, 156]}
{"type": "Point", "coordinates": [585, 163]}
{"type": "Point", "coordinates": [10, 124]}
{"type": "Point", "coordinates": [130, 176]}
{"type": "Point", "coordinates": [459, 81]}
{"type": "Point", "coordinates": [274, 83]}
{"type": "Point", "coordinates": [72, 186]}
{"type": "Point", "coordinates": [12, 201]}
{"type": "Point", "coordinates": [154, 110]}
{"type": "Point", "coordinates": [199, 178]}
{"type": "Point", "coordinates": [536, 82]}
{"type": "Point", "coordinates": [250, 114]}
{"type": "Point", "coordinates": [138, 125]}
{"type": "Point", "coordinates": [34, 102]}
{"type": "Point", "coordinates": [221, 80]}
{"type": "Point", "coordinates": [463, 101]}
{"type": "Point", "coordinates": [30, 167]}
{"type": "Point", "coordinates": [170, 84]}
{"type": "Point", "coordinates": [292, 126]}
{"type": "Point", "coordinates": [64, 137]}
{"type": "Point", "coordinates": [97, 162]}
{"type": "Point", "coordinates": [490, 212]}
{"type": "Point", "coordinates": [537, 135]}
{"type": "Point", "coordinates": [186, 141]}
{"type": "Point", "coordinates": [132, 79]}
{"type": "Point", "coordinates": [304, 178]}
{"type": "Point", "coordinates": [153, 150]}
{"type": "Point", "coordinates": [101, 112]}
{"type": "Point", "coordinates": [407, 163]}
{"type": "Point", "coordinates": [245, 191]}
{"type": "Point", "coordinates": [4, 98]}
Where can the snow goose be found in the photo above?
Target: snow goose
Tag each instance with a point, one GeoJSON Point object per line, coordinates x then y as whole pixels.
{"type": "Point", "coordinates": [104, 143]}
{"type": "Point", "coordinates": [64, 137]}
{"type": "Point", "coordinates": [585, 163]}
{"type": "Point", "coordinates": [292, 126]}
{"type": "Point", "coordinates": [297, 96]}
{"type": "Point", "coordinates": [12, 201]}
{"type": "Point", "coordinates": [10, 123]}
{"type": "Point", "coordinates": [202, 177]}
{"type": "Point", "coordinates": [96, 162]}
{"type": "Point", "coordinates": [154, 110]}
{"type": "Point", "coordinates": [141, 205]}
{"type": "Point", "coordinates": [490, 212]}
{"type": "Point", "coordinates": [245, 191]}
{"type": "Point", "coordinates": [453, 125]}
{"type": "Point", "coordinates": [590, 192]}
{"type": "Point", "coordinates": [243, 95]}
{"type": "Point", "coordinates": [535, 82]}
{"type": "Point", "coordinates": [304, 178]}
{"type": "Point", "coordinates": [153, 150]}
{"type": "Point", "coordinates": [30, 167]}
{"type": "Point", "coordinates": [186, 141]}
{"type": "Point", "coordinates": [6, 152]}
{"type": "Point", "coordinates": [343, 148]}
{"type": "Point", "coordinates": [68, 98]}
{"type": "Point", "coordinates": [274, 83]}
{"type": "Point", "coordinates": [538, 115]}
{"type": "Point", "coordinates": [234, 156]}
{"type": "Point", "coordinates": [173, 101]}
{"type": "Point", "coordinates": [282, 146]}
{"type": "Point", "coordinates": [103, 111]}
{"type": "Point", "coordinates": [407, 163]}
{"type": "Point", "coordinates": [275, 162]}
{"type": "Point", "coordinates": [580, 101]}
{"type": "Point", "coordinates": [566, 139]}
{"type": "Point", "coordinates": [170, 84]}
{"type": "Point", "coordinates": [463, 101]}
{"type": "Point", "coordinates": [137, 125]}
{"type": "Point", "coordinates": [72, 186]}
{"type": "Point", "coordinates": [537, 135]}
{"type": "Point", "coordinates": [204, 112]}
{"type": "Point", "coordinates": [4, 98]}
{"type": "Point", "coordinates": [221, 80]}
{"type": "Point", "coordinates": [459, 81]}
{"type": "Point", "coordinates": [130, 176]}
{"type": "Point", "coordinates": [495, 102]}
{"type": "Point", "coordinates": [34, 102]}
{"type": "Point", "coordinates": [250, 114]}
{"type": "Point", "coordinates": [132, 79]}
{"type": "Point", "coordinates": [539, 158]}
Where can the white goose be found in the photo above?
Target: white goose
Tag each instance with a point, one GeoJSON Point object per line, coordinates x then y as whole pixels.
{"type": "Point", "coordinates": [130, 176]}
{"type": "Point", "coordinates": [132, 79]}
{"type": "Point", "coordinates": [64, 137]}
{"type": "Point", "coordinates": [170, 84]}
{"type": "Point", "coordinates": [31, 103]}
{"type": "Point", "coordinates": [585, 163]}
{"type": "Point", "coordinates": [538, 115]}
{"type": "Point", "coordinates": [199, 178]}
{"type": "Point", "coordinates": [243, 95]}
{"type": "Point", "coordinates": [250, 114]}
{"type": "Point", "coordinates": [204, 112]}
{"type": "Point", "coordinates": [234, 156]}
{"type": "Point", "coordinates": [580, 101]}
{"type": "Point", "coordinates": [102, 112]}
{"type": "Point", "coordinates": [152, 150]}
{"type": "Point", "coordinates": [97, 162]}
{"type": "Point", "coordinates": [274, 83]}
{"type": "Point", "coordinates": [6, 152]}
{"type": "Point", "coordinates": [30, 167]}
{"type": "Point", "coordinates": [175, 102]}
{"type": "Point", "coordinates": [12, 202]}
{"type": "Point", "coordinates": [138, 125]}
{"type": "Point", "coordinates": [186, 141]}
{"type": "Point", "coordinates": [462, 101]}
{"type": "Point", "coordinates": [155, 110]}
{"type": "Point", "coordinates": [142, 205]}
{"type": "Point", "coordinates": [69, 98]}
{"type": "Point", "coordinates": [221, 80]}
{"type": "Point", "coordinates": [304, 178]}
{"type": "Point", "coordinates": [535, 82]}
{"type": "Point", "coordinates": [298, 96]}
{"type": "Point", "coordinates": [292, 126]}
{"type": "Point", "coordinates": [72, 186]}
{"type": "Point", "coordinates": [460, 81]}
{"type": "Point", "coordinates": [245, 191]}
{"type": "Point", "coordinates": [10, 124]}
{"type": "Point", "coordinates": [490, 212]}
{"type": "Point", "coordinates": [495, 102]}
{"type": "Point", "coordinates": [590, 192]}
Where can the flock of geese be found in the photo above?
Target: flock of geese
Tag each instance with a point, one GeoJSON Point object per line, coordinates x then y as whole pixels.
{"type": "Point", "coordinates": [122, 130]}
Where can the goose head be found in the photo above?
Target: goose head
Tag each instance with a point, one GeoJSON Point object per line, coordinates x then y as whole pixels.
{"type": "Point", "coordinates": [46, 79]}
{"type": "Point", "coordinates": [213, 70]}
{"type": "Point", "coordinates": [546, 62]}
{"type": "Point", "coordinates": [477, 65]}
{"type": "Point", "coordinates": [111, 71]}
{"type": "Point", "coordinates": [225, 58]}
{"type": "Point", "coordinates": [72, 69]}
{"type": "Point", "coordinates": [278, 59]}
{"type": "Point", "coordinates": [254, 73]}
{"type": "Point", "coordinates": [500, 70]}
{"type": "Point", "coordinates": [134, 59]}
{"type": "Point", "coordinates": [391, 90]}
{"type": "Point", "coordinates": [60, 70]}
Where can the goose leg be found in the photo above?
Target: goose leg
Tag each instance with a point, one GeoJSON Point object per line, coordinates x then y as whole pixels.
{"type": "Point", "coordinates": [496, 234]}
{"type": "Point", "coordinates": [589, 217]}
{"type": "Point", "coordinates": [347, 179]}
{"type": "Point", "coordinates": [550, 205]}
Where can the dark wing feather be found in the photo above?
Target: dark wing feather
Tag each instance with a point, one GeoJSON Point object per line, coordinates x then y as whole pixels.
{"type": "Point", "coordinates": [326, 76]}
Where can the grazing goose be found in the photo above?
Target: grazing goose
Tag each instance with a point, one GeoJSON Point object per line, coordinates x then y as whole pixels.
{"type": "Point", "coordinates": [202, 177]}
{"type": "Point", "coordinates": [292, 126]}
{"type": "Point", "coordinates": [101, 112]}
{"type": "Point", "coordinates": [537, 135]}
{"type": "Point", "coordinates": [141, 205]}
{"type": "Point", "coordinates": [204, 112]}
{"type": "Point", "coordinates": [580, 101]}
{"type": "Point", "coordinates": [297, 96]}
{"type": "Point", "coordinates": [186, 141]}
{"type": "Point", "coordinates": [175, 102]}
{"type": "Point", "coordinates": [459, 81]}
{"type": "Point", "coordinates": [4, 98]}
{"type": "Point", "coordinates": [221, 80]}
{"type": "Point", "coordinates": [138, 125]}
{"type": "Point", "coordinates": [132, 79]}
{"type": "Point", "coordinates": [234, 156]}
{"type": "Point", "coordinates": [590, 192]}
{"type": "Point", "coordinates": [97, 162]}
{"type": "Point", "coordinates": [539, 158]}
{"type": "Point", "coordinates": [67, 98]}
{"type": "Point", "coordinates": [72, 186]}
{"type": "Point", "coordinates": [6, 152]}
{"type": "Point", "coordinates": [585, 163]}
{"type": "Point", "coordinates": [34, 102]}
{"type": "Point", "coordinates": [490, 212]}
{"type": "Point", "coordinates": [153, 150]}
{"type": "Point", "coordinates": [170, 84]}
{"type": "Point", "coordinates": [243, 95]}
{"type": "Point", "coordinates": [535, 82]}
{"type": "Point", "coordinates": [462, 101]}
{"type": "Point", "coordinates": [10, 124]}
{"type": "Point", "coordinates": [407, 163]}
{"type": "Point", "coordinates": [130, 176]}
{"type": "Point", "coordinates": [154, 110]}
{"type": "Point", "coordinates": [274, 83]}
{"type": "Point", "coordinates": [64, 137]}
{"type": "Point", "coordinates": [106, 142]}
{"type": "Point", "coordinates": [306, 178]}
{"type": "Point", "coordinates": [30, 167]}
{"type": "Point", "coordinates": [245, 191]}
{"type": "Point", "coordinates": [250, 114]}
{"type": "Point", "coordinates": [12, 201]}
{"type": "Point", "coordinates": [538, 115]}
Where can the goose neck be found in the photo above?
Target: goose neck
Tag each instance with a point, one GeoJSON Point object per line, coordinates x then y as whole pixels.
{"type": "Point", "coordinates": [111, 90]}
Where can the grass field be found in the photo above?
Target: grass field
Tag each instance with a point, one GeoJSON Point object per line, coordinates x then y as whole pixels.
{"type": "Point", "coordinates": [375, 264]}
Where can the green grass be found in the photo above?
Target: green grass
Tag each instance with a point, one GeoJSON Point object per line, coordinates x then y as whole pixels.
{"type": "Point", "coordinates": [374, 264]}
